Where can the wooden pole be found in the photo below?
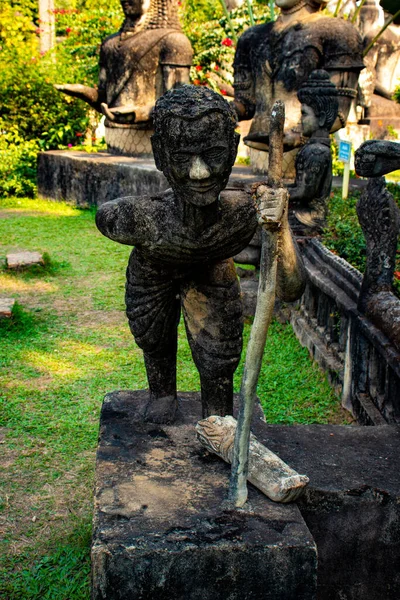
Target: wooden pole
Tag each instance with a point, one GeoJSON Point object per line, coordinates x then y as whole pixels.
{"type": "Point", "coordinates": [264, 311]}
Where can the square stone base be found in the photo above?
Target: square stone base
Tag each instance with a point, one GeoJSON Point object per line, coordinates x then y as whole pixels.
{"type": "Point", "coordinates": [160, 529]}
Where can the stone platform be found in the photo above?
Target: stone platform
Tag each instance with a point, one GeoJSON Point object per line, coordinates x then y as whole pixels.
{"type": "Point", "coordinates": [92, 179]}
{"type": "Point", "coordinates": [160, 529]}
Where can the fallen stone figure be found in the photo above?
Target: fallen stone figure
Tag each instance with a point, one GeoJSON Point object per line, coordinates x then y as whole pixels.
{"type": "Point", "coordinates": [267, 471]}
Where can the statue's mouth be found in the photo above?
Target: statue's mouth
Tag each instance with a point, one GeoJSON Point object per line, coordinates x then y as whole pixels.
{"type": "Point", "coordinates": [201, 187]}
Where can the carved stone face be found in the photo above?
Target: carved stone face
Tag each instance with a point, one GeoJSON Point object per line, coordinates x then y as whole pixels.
{"type": "Point", "coordinates": [198, 158]}
{"type": "Point", "coordinates": [134, 8]}
{"type": "Point", "coordinates": [309, 120]}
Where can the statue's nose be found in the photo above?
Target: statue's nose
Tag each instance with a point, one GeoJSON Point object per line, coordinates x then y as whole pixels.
{"type": "Point", "coordinates": [198, 169]}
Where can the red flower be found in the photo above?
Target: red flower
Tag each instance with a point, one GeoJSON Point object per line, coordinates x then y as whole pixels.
{"type": "Point", "coordinates": [216, 68]}
{"type": "Point", "coordinates": [196, 82]}
{"type": "Point", "coordinates": [68, 30]}
{"type": "Point", "coordinates": [79, 134]}
{"type": "Point", "coordinates": [397, 274]}
{"type": "Point", "coordinates": [227, 42]}
{"type": "Point", "coordinates": [198, 68]}
{"type": "Point", "coordinates": [223, 92]}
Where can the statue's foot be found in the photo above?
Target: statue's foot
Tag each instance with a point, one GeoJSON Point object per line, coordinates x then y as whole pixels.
{"type": "Point", "coordinates": [161, 410]}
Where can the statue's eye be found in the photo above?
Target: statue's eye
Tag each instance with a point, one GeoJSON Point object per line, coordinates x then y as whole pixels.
{"type": "Point", "coordinates": [181, 158]}
{"type": "Point", "coordinates": [214, 153]}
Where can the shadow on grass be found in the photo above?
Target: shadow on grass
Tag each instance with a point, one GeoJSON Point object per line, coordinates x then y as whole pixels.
{"type": "Point", "coordinates": [62, 574]}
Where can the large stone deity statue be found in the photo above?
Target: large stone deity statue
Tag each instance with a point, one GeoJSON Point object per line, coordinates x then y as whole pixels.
{"type": "Point", "coordinates": [273, 60]}
{"type": "Point", "coordinates": [147, 57]}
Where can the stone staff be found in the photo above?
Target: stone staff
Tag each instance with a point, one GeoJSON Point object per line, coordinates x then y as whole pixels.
{"type": "Point", "coordinates": [273, 200]}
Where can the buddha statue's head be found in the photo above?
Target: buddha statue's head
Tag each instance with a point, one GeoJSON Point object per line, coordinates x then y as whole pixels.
{"type": "Point", "coordinates": [195, 142]}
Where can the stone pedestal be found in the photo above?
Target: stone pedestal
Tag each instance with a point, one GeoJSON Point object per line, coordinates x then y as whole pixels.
{"type": "Point", "coordinates": [160, 529]}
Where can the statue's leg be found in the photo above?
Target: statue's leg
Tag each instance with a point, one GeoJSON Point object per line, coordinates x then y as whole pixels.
{"type": "Point", "coordinates": [153, 310]}
{"type": "Point", "coordinates": [212, 309]}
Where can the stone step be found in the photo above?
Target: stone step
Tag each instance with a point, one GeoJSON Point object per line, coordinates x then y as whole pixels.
{"type": "Point", "coordinates": [22, 260]}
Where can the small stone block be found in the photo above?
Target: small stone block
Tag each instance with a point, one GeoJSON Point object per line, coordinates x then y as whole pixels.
{"type": "Point", "coordinates": [20, 260]}
{"type": "Point", "coordinates": [6, 307]}
{"type": "Point", "coordinates": [160, 527]}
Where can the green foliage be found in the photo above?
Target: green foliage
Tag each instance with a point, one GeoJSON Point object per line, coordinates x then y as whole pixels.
{"type": "Point", "coordinates": [343, 234]}
{"type": "Point", "coordinates": [63, 575]}
{"type": "Point", "coordinates": [212, 40]}
{"type": "Point", "coordinates": [34, 116]}
{"type": "Point", "coordinates": [17, 165]}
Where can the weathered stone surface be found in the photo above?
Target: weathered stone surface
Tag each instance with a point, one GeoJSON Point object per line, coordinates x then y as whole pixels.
{"type": "Point", "coordinates": [183, 242]}
{"type": "Point", "coordinates": [272, 60]}
{"type": "Point", "coordinates": [92, 179]}
{"type": "Point", "coordinates": [312, 187]}
{"type": "Point", "coordinates": [377, 157]}
{"type": "Point", "coordinates": [6, 307]}
{"type": "Point", "coordinates": [160, 530]}
{"type": "Point", "coordinates": [351, 505]}
{"type": "Point", "coordinates": [20, 260]}
{"type": "Point", "coordinates": [266, 471]}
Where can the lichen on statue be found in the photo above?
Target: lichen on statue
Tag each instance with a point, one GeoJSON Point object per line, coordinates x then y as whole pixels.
{"type": "Point", "coordinates": [274, 59]}
{"type": "Point", "coordinates": [148, 56]}
{"type": "Point", "coordinates": [183, 240]}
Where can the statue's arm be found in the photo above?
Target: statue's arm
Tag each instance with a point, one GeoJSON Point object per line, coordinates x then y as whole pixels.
{"type": "Point", "coordinates": [92, 96]}
{"type": "Point", "coordinates": [291, 274]}
{"type": "Point", "coordinates": [83, 92]}
{"type": "Point", "coordinates": [116, 220]}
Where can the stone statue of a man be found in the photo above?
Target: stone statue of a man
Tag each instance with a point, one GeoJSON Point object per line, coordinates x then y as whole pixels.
{"type": "Point", "coordinates": [139, 63]}
{"type": "Point", "coordinates": [183, 240]}
{"type": "Point", "coordinates": [310, 193]}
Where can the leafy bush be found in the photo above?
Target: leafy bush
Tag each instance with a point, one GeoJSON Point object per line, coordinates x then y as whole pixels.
{"type": "Point", "coordinates": [34, 116]}
{"type": "Point", "coordinates": [343, 234]}
{"type": "Point", "coordinates": [17, 166]}
{"type": "Point", "coordinates": [213, 40]}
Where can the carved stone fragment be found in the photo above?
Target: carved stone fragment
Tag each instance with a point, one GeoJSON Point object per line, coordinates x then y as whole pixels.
{"type": "Point", "coordinates": [266, 470]}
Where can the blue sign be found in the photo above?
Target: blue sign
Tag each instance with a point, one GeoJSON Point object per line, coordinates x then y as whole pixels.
{"type": "Point", "coordinates": [344, 151]}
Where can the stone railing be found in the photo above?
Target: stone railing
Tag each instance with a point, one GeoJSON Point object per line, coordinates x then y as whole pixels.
{"type": "Point", "coordinates": [362, 363]}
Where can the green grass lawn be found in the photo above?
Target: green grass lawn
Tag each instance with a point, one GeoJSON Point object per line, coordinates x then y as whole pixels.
{"type": "Point", "coordinates": [68, 344]}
